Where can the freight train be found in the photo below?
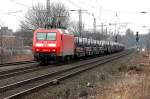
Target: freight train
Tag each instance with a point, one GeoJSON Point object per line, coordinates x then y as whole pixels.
{"type": "Point", "coordinates": [55, 45]}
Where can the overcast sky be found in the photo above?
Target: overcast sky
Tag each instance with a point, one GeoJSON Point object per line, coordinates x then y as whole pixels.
{"type": "Point", "coordinates": [128, 11]}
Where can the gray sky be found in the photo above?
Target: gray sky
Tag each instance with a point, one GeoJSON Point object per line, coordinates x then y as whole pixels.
{"type": "Point", "coordinates": [104, 10]}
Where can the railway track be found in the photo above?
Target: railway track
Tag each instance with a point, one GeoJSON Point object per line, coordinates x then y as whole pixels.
{"type": "Point", "coordinates": [17, 70]}
{"type": "Point", "coordinates": [25, 69]}
{"type": "Point", "coordinates": [16, 63]}
{"type": "Point", "coordinates": [18, 88]}
{"type": "Point", "coordinates": [14, 72]}
{"type": "Point", "coordinates": [10, 69]}
{"type": "Point", "coordinates": [29, 67]}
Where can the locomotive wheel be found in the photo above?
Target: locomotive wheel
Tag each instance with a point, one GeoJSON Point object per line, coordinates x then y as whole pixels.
{"type": "Point", "coordinates": [43, 63]}
{"type": "Point", "coordinates": [58, 59]}
{"type": "Point", "coordinates": [68, 59]}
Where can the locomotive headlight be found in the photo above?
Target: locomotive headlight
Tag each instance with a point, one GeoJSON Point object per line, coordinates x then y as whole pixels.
{"type": "Point", "coordinates": [51, 45]}
{"type": "Point", "coordinates": [39, 45]}
{"type": "Point", "coordinates": [53, 50]}
{"type": "Point", "coordinates": [37, 49]}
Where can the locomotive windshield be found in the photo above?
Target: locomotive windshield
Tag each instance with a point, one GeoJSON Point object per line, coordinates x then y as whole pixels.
{"type": "Point", "coordinates": [46, 36]}
{"type": "Point", "coordinates": [51, 36]}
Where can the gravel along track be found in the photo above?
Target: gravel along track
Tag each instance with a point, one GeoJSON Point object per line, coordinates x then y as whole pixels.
{"type": "Point", "coordinates": [13, 87]}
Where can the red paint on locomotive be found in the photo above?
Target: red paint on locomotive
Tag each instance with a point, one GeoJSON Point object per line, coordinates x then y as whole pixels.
{"type": "Point", "coordinates": [53, 41]}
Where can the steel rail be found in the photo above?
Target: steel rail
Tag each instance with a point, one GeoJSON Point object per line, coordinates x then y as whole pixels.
{"type": "Point", "coordinates": [16, 63]}
{"type": "Point", "coordinates": [26, 69]}
{"type": "Point", "coordinates": [20, 71]}
{"type": "Point", "coordinates": [29, 66]}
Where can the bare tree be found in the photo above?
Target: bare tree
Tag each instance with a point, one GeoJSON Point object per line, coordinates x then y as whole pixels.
{"type": "Point", "coordinates": [36, 17]}
{"type": "Point", "coordinates": [74, 28]}
{"type": "Point", "coordinates": [128, 39]}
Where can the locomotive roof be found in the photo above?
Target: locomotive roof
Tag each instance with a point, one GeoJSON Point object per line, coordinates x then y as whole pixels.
{"type": "Point", "coordinates": [62, 31]}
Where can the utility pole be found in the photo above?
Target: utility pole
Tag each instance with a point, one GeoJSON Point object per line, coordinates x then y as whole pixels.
{"type": "Point", "coordinates": [48, 13]}
{"type": "Point", "coordinates": [102, 27]}
{"type": "Point", "coordinates": [80, 22]}
{"type": "Point", "coordinates": [147, 43]}
{"type": "Point", "coordinates": [1, 47]}
{"type": "Point", "coordinates": [80, 11]}
{"type": "Point", "coordinates": [94, 25]}
{"type": "Point", "coordinates": [106, 31]}
{"type": "Point", "coordinates": [137, 40]}
{"type": "Point", "coordinates": [116, 38]}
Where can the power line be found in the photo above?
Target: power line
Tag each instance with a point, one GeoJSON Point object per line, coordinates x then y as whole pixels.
{"type": "Point", "coordinates": [19, 3]}
{"type": "Point", "coordinates": [15, 16]}
{"type": "Point", "coordinates": [74, 4]}
{"type": "Point", "coordinates": [10, 11]}
{"type": "Point", "coordinates": [89, 5]}
{"type": "Point", "coordinates": [17, 11]}
{"type": "Point", "coordinates": [99, 3]}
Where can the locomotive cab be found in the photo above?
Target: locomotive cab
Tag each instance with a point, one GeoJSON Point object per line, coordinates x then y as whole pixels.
{"type": "Point", "coordinates": [49, 45]}
{"type": "Point", "coordinates": [45, 45]}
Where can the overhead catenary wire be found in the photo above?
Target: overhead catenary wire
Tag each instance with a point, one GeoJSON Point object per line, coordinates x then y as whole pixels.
{"type": "Point", "coordinates": [10, 11]}
{"type": "Point", "coordinates": [70, 1]}
{"type": "Point", "coordinates": [21, 4]}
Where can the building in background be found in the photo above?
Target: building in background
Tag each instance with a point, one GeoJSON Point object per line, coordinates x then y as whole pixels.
{"type": "Point", "coordinates": [5, 31]}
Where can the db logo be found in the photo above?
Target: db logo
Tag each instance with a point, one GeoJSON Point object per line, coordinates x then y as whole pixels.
{"type": "Point", "coordinates": [45, 44]}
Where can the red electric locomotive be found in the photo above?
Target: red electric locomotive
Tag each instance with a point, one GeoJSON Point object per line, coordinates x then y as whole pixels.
{"type": "Point", "coordinates": [51, 45]}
